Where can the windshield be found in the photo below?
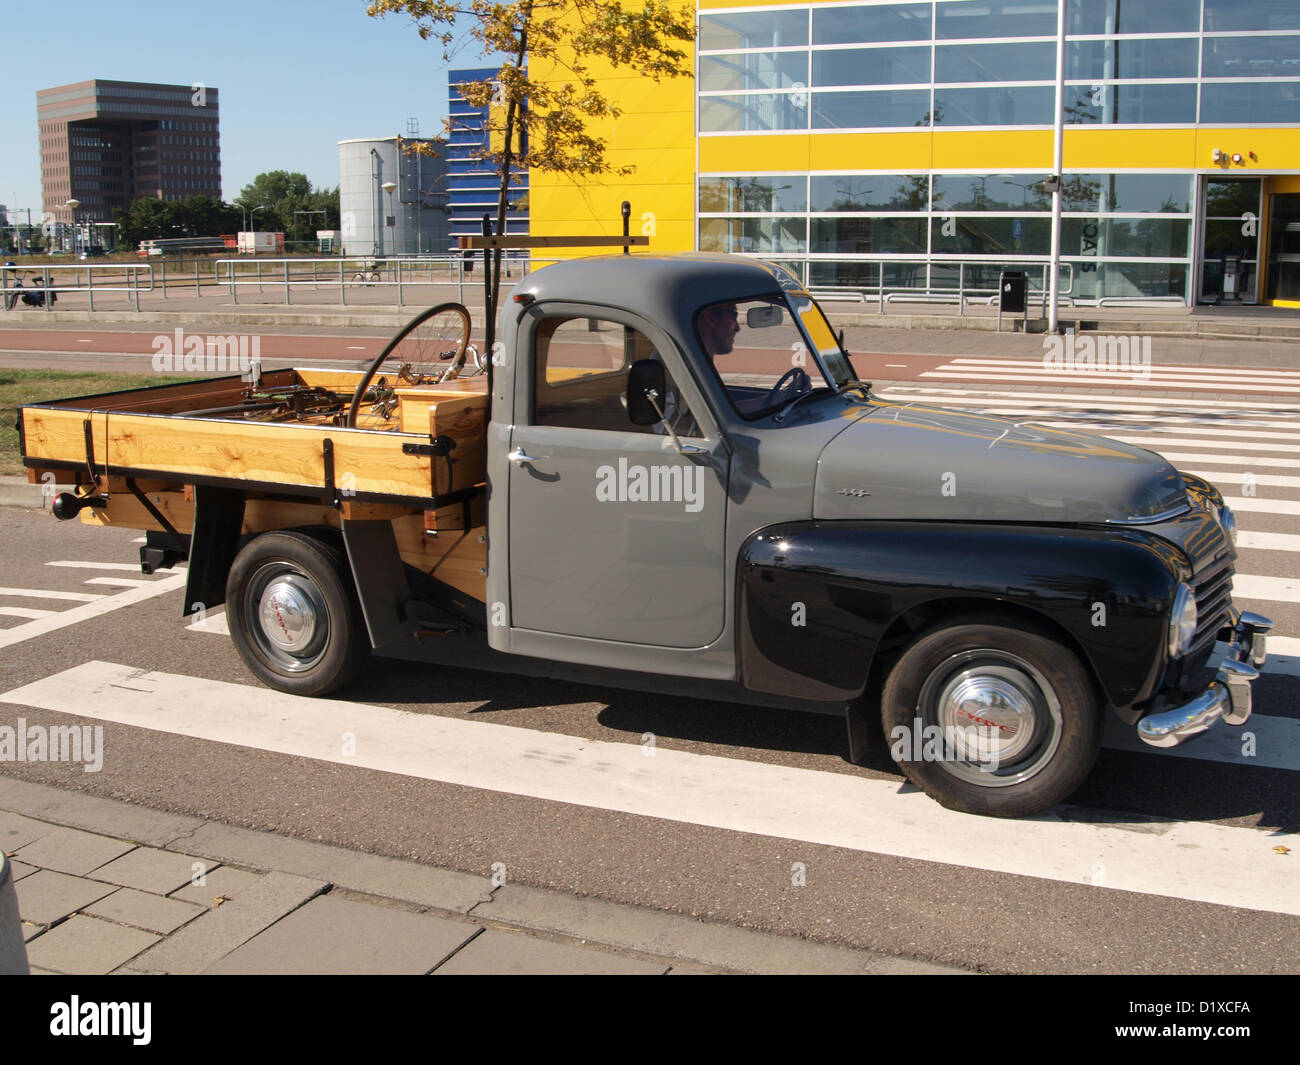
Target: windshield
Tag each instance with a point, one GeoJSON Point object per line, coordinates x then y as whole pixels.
{"type": "Point", "coordinates": [762, 356]}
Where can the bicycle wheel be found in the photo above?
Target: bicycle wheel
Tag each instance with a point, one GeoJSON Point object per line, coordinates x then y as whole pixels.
{"type": "Point", "coordinates": [416, 355]}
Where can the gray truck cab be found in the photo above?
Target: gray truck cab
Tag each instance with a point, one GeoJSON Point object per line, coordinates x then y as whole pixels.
{"type": "Point", "coordinates": [687, 478]}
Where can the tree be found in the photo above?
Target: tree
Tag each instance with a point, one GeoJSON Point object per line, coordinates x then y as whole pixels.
{"type": "Point", "coordinates": [538, 122]}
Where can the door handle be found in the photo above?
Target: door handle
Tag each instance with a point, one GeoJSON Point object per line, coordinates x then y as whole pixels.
{"type": "Point", "coordinates": [520, 455]}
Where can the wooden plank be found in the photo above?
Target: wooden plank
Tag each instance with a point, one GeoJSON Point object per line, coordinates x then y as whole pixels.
{"type": "Point", "coordinates": [550, 242]}
{"type": "Point", "coordinates": [464, 419]}
{"type": "Point", "coordinates": [354, 511]}
{"type": "Point", "coordinates": [126, 512]}
{"type": "Point", "coordinates": [459, 560]}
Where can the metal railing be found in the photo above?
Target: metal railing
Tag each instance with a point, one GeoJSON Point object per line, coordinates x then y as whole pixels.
{"type": "Point", "coordinates": [131, 274]}
{"type": "Point", "coordinates": [354, 273]}
{"type": "Point", "coordinates": [961, 294]}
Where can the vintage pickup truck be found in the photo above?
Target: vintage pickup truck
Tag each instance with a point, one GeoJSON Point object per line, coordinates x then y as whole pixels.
{"type": "Point", "coordinates": [669, 466]}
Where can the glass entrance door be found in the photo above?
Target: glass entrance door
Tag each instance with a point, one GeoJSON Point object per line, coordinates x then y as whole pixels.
{"type": "Point", "coordinates": [1284, 248]}
{"type": "Point", "coordinates": [1232, 213]}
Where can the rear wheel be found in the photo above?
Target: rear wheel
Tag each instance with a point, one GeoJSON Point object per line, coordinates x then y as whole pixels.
{"type": "Point", "coordinates": [293, 615]}
{"type": "Point", "coordinates": [991, 718]}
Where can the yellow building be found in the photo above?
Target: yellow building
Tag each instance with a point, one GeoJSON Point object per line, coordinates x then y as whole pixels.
{"type": "Point", "coordinates": [903, 145]}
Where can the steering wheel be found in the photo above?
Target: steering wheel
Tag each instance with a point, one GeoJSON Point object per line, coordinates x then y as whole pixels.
{"type": "Point", "coordinates": [798, 380]}
{"type": "Point", "coordinates": [439, 334]}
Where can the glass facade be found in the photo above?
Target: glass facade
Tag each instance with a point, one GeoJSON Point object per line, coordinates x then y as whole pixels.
{"type": "Point", "coordinates": [987, 65]}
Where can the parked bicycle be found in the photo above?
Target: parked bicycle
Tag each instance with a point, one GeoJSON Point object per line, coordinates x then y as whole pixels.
{"type": "Point", "coordinates": [30, 297]}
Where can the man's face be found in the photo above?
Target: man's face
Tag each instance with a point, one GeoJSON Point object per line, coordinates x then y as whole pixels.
{"type": "Point", "coordinates": [718, 329]}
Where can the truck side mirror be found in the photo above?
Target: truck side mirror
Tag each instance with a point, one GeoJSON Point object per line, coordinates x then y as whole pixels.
{"type": "Point", "coordinates": [645, 375]}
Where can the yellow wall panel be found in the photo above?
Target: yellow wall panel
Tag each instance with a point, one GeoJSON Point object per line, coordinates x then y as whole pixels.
{"type": "Point", "coordinates": [655, 134]}
{"type": "Point", "coordinates": [1274, 149]}
{"type": "Point", "coordinates": [1285, 184]}
{"type": "Point", "coordinates": [905, 151]}
{"type": "Point", "coordinates": [754, 155]}
{"type": "Point", "coordinates": [960, 149]}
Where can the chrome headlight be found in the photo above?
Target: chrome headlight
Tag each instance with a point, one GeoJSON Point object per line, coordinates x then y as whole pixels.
{"type": "Point", "coordinates": [1229, 522]}
{"type": "Point", "coordinates": [1182, 621]}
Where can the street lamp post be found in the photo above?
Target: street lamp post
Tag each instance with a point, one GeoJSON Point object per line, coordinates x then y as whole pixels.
{"type": "Point", "coordinates": [72, 206]}
{"type": "Point", "coordinates": [389, 222]}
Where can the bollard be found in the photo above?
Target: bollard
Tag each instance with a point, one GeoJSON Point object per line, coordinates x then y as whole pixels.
{"type": "Point", "coordinates": [13, 951]}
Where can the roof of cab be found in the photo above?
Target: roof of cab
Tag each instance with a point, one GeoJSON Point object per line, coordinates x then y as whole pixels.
{"type": "Point", "coordinates": [661, 287]}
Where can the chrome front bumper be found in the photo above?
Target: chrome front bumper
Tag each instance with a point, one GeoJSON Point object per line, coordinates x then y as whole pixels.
{"type": "Point", "coordinates": [1228, 695]}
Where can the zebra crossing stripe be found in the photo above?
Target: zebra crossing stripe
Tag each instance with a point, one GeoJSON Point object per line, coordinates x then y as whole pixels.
{"type": "Point", "coordinates": [1196, 861]}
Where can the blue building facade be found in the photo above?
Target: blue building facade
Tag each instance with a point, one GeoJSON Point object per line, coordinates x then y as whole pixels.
{"type": "Point", "coordinates": [473, 183]}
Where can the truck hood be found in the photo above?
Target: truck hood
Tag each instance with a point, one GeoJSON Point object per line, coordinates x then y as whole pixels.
{"type": "Point", "coordinates": [906, 462]}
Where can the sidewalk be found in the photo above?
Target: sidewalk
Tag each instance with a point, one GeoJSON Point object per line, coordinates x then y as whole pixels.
{"type": "Point", "coordinates": [109, 887]}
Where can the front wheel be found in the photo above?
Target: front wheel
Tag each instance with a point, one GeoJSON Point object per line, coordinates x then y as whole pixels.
{"type": "Point", "coordinates": [293, 614]}
{"type": "Point", "coordinates": [990, 718]}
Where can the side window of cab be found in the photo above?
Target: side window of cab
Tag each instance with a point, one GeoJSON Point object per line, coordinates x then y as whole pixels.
{"type": "Point", "coordinates": [581, 367]}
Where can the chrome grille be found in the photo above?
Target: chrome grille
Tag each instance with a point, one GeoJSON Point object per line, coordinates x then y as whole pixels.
{"type": "Point", "coordinates": [1213, 589]}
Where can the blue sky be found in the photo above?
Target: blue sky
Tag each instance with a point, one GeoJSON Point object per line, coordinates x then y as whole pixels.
{"type": "Point", "coordinates": [295, 76]}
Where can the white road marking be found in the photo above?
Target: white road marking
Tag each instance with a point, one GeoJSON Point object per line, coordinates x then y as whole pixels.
{"type": "Point", "coordinates": [1084, 399]}
{"type": "Point", "coordinates": [1199, 862]}
{"type": "Point", "coordinates": [42, 593]}
{"type": "Point", "coordinates": [1110, 381]}
{"type": "Point", "coordinates": [24, 612]}
{"type": "Point", "coordinates": [213, 622]}
{"type": "Point", "coordinates": [1263, 741]}
{"type": "Point", "coordinates": [121, 567]}
{"type": "Point", "coordinates": [119, 582]}
{"type": "Point", "coordinates": [1188, 371]}
{"type": "Point", "coordinates": [1267, 480]}
{"type": "Point", "coordinates": [102, 604]}
{"type": "Point", "coordinates": [1229, 460]}
{"type": "Point", "coordinates": [1230, 445]}
{"type": "Point", "coordinates": [1158, 429]}
{"type": "Point", "coordinates": [1259, 505]}
{"type": "Point", "coordinates": [356, 347]}
{"type": "Point", "coordinates": [1272, 589]}
{"type": "Point", "coordinates": [1266, 541]}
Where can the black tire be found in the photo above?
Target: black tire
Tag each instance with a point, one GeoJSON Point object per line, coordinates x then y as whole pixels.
{"type": "Point", "coordinates": [293, 614]}
{"type": "Point", "coordinates": [993, 718]}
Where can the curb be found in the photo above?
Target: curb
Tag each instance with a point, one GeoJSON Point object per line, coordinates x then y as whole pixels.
{"type": "Point", "coordinates": [517, 908]}
{"type": "Point", "coordinates": [15, 491]}
{"type": "Point", "coordinates": [13, 953]}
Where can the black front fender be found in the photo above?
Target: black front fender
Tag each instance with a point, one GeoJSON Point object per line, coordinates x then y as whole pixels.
{"type": "Point", "coordinates": [816, 598]}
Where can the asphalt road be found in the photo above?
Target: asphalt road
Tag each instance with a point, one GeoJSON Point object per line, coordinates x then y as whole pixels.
{"type": "Point", "coordinates": [1049, 906]}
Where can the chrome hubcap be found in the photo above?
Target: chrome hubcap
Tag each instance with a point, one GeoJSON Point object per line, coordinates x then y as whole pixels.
{"type": "Point", "coordinates": [998, 718]}
{"type": "Point", "coordinates": [287, 617]}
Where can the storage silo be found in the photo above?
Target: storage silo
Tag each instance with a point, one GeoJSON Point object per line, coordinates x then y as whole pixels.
{"type": "Point", "coordinates": [411, 218]}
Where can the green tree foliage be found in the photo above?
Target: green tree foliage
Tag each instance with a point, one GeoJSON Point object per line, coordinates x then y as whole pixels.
{"type": "Point", "coordinates": [195, 216]}
{"type": "Point", "coordinates": [280, 193]}
{"type": "Point", "coordinates": [541, 122]}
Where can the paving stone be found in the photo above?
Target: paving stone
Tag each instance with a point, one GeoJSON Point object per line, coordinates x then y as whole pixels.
{"type": "Point", "coordinates": [154, 913]}
{"type": "Point", "coordinates": [209, 938]}
{"type": "Point", "coordinates": [156, 871]}
{"type": "Point", "coordinates": [68, 850]}
{"type": "Point", "coordinates": [497, 953]}
{"type": "Point", "coordinates": [18, 870]}
{"type": "Point", "coordinates": [331, 936]}
{"type": "Point", "coordinates": [31, 931]}
{"type": "Point", "coordinates": [87, 946]}
{"type": "Point", "coordinates": [46, 896]}
{"type": "Point", "coordinates": [18, 831]}
{"type": "Point", "coordinates": [224, 880]}
{"type": "Point", "coordinates": [108, 817]}
{"type": "Point", "coordinates": [371, 874]}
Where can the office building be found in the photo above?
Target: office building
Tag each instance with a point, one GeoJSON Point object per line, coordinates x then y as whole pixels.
{"type": "Point", "coordinates": [109, 143]}
{"type": "Point", "coordinates": [905, 144]}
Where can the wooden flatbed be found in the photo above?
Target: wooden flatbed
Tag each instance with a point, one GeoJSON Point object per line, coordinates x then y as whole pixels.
{"type": "Point", "coordinates": [139, 456]}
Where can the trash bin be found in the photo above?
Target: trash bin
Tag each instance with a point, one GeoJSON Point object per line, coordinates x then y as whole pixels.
{"type": "Point", "coordinates": [1013, 288]}
{"type": "Point", "coordinates": [1231, 278]}
{"type": "Point", "coordinates": [13, 952]}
